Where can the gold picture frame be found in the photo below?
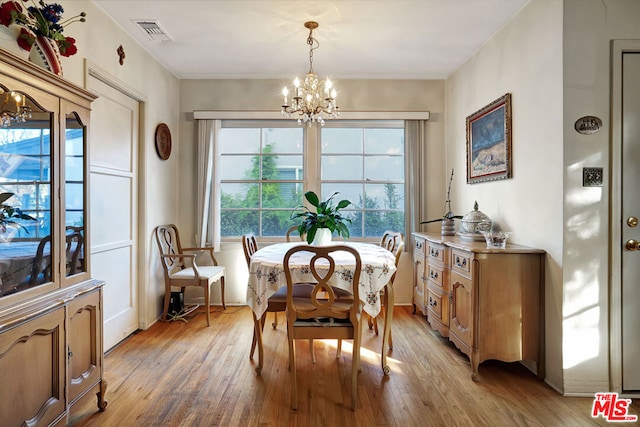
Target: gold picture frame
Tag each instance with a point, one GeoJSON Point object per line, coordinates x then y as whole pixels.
{"type": "Point", "coordinates": [489, 142]}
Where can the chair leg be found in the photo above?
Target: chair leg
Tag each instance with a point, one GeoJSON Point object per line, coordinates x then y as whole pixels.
{"type": "Point", "coordinates": [206, 304]}
{"type": "Point", "coordinates": [375, 325]}
{"type": "Point", "coordinates": [339, 349]}
{"type": "Point", "coordinates": [274, 325]}
{"type": "Point", "coordinates": [224, 306]}
{"type": "Point", "coordinates": [294, 382]}
{"type": "Point", "coordinates": [167, 298]}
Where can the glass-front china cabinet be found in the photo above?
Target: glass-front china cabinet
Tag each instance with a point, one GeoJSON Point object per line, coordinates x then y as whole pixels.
{"type": "Point", "coordinates": [50, 308]}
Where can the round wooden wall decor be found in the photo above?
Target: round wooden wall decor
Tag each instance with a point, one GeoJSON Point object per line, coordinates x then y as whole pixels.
{"type": "Point", "coordinates": [163, 141]}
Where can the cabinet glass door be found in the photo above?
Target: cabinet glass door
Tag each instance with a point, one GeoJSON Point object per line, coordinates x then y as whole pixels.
{"type": "Point", "coordinates": [74, 195]}
{"type": "Point", "coordinates": [26, 152]}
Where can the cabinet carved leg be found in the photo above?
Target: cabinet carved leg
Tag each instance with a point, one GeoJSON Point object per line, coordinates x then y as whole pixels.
{"type": "Point", "coordinates": [102, 403]}
{"type": "Point", "coordinates": [474, 366]}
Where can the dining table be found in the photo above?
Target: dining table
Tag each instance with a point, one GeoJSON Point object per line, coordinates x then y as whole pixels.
{"type": "Point", "coordinates": [266, 276]}
{"type": "Point", "coordinates": [16, 262]}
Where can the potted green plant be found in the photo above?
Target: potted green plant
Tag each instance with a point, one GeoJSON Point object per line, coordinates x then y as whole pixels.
{"type": "Point", "coordinates": [8, 216]}
{"type": "Point", "coordinates": [320, 225]}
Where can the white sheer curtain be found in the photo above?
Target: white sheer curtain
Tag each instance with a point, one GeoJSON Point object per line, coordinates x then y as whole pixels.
{"type": "Point", "coordinates": [415, 134]}
{"type": "Point", "coordinates": [207, 178]}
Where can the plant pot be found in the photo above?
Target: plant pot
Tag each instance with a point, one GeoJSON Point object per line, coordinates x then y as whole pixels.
{"type": "Point", "coordinates": [322, 237]}
{"type": "Point", "coordinates": [448, 227]}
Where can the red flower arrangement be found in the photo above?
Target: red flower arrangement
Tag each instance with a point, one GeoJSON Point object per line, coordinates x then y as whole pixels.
{"type": "Point", "coordinates": [39, 19]}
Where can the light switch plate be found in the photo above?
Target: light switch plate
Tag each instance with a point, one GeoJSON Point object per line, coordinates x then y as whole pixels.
{"type": "Point", "coordinates": [592, 177]}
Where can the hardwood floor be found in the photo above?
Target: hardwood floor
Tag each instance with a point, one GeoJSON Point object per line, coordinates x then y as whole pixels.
{"type": "Point", "coordinates": [178, 374]}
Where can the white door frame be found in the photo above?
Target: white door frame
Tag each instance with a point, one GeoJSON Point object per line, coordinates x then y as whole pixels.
{"type": "Point", "coordinates": [93, 70]}
{"type": "Point", "coordinates": [615, 280]}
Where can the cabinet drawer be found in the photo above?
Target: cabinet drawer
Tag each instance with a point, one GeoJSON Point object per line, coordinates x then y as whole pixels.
{"type": "Point", "coordinates": [438, 305]}
{"type": "Point", "coordinates": [418, 248]}
{"type": "Point", "coordinates": [435, 274]}
{"type": "Point", "coordinates": [436, 252]}
{"type": "Point", "coordinates": [461, 261]}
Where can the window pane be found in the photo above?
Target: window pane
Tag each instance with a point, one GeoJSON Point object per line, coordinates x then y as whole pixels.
{"type": "Point", "coordinates": [384, 141]}
{"type": "Point", "coordinates": [242, 140]}
{"type": "Point", "coordinates": [384, 196]}
{"type": "Point", "coordinates": [343, 168]}
{"type": "Point", "coordinates": [276, 223]}
{"type": "Point", "coordinates": [282, 167]}
{"type": "Point", "coordinates": [239, 195]}
{"type": "Point", "coordinates": [336, 140]}
{"type": "Point", "coordinates": [351, 192]}
{"type": "Point", "coordinates": [284, 140]}
{"type": "Point", "coordinates": [281, 195]}
{"type": "Point", "coordinates": [239, 222]}
{"type": "Point", "coordinates": [238, 167]}
{"type": "Point", "coordinates": [384, 168]}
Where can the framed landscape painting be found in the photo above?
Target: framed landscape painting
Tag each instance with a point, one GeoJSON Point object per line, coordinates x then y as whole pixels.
{"type": "Point", "coordinates": [489, 142]}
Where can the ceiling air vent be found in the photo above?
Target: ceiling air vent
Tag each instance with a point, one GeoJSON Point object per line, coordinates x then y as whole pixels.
{"type": "Point", "coordinates": [153, 30]}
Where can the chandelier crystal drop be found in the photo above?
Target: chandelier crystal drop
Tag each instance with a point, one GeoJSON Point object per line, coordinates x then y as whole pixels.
{"type": "Point", "coordinates": [313, 100]}
{"type": "Point", "coordinates": [13, 109]}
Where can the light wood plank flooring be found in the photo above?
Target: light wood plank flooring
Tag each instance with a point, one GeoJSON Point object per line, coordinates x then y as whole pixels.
{"type": "Point", "coordinates": [178, 374]}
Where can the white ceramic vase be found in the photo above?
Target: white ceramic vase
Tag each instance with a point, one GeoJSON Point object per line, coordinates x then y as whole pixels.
{"type": "Point", "coordinates": [322, 237]}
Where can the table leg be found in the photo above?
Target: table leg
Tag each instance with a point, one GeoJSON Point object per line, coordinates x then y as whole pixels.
{"type": "Point", "coordinates": [257, 330]}
{"type": "Point", "coordinates": [388, 315]}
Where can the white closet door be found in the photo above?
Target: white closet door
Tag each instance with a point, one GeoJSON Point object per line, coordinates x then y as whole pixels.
{"type": "Point", "coordinates": [114, 206]}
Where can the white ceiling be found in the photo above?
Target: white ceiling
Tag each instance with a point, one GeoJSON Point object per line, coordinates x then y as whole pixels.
{"type": "Point", "coordinates": [374, 39]}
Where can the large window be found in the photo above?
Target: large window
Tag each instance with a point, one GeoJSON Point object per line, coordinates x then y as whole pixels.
{"type": "Point", "coordinates": [265, 168]}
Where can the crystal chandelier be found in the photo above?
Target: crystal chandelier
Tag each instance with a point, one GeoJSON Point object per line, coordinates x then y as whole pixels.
{"type": "Point", "coordinates": [14, 109]}
{"type": "Point", "coordinates": [312, 99]}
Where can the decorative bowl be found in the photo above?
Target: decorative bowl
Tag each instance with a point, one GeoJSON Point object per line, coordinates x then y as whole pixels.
{"type": "Point", "coordinates": [496, 239]}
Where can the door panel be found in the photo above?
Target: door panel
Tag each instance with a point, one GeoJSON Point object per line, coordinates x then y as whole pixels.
{"type": "Point", "coordinates": [630, 177]}
{"type": "Point", "coordinates": [114, 207]}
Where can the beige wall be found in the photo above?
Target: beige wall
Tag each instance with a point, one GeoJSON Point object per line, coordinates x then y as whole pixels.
{"type": "Point", "coordinates": [554, 59]}
{"type": "Point", "coordinates": [524, 59]}
{"type": "Point", "coordinates": [589, 27]}
{"type": "Point", "coordinates": [355, 95]}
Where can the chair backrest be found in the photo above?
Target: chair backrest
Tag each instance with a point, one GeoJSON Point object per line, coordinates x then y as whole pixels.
{"type": "Point", "coordinates": [292, 230]}
{"type": "Point", "coordinates": [168, 240]}
{"type": "Point", "coordinates": [323, 302]}
{"type": "Point", "coordinates": [250, 246]}
{"type": "Point", "coordinates": [393, 241]}
{"type": "Point", "coordinates": [75, 243]}
{"type": "Point", "coordinates": [42, 263]}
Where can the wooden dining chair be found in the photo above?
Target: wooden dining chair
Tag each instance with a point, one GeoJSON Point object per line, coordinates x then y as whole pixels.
{"type": "Point", "coordinates": [182, 270]}
{"type": "Point", "coordinates": [276, 302]}
{"type": "Point", "coordinates": [41, 267]}
{"type": "Point", "coordinates": [323, 315]}
{"type": "Point", "coordinates": [291, 232]}
{"type": "Point", "coordinates": [74, 250]}
{"type": "Point", "coordinates": [392, 241]}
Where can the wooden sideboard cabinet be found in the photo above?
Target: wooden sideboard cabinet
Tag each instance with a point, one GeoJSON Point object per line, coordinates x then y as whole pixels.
{"type": "Point", "coordinates": [51, 338]}
{"type": "Point", "coordinates": [489, 302]}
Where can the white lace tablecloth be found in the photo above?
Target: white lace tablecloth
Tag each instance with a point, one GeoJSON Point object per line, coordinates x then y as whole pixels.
{"type": "Point", "coordinates": [266, 275]}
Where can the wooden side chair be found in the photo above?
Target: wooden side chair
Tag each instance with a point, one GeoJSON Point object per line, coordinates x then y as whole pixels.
{"type": "Point", "coordinates": [182, 270]}
{"type": "Point", "coordinates": [393, 242]}
{"type": "Point", "coordinates": [291, 232]}
{"type": "Point", "coordinates": [323, 315]}
{"type": "Point", "coordinates": [276, 303]}
{"type": "Point", "coordinates": [74, 250]}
